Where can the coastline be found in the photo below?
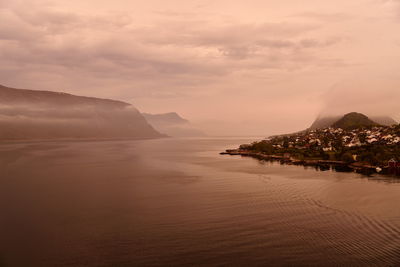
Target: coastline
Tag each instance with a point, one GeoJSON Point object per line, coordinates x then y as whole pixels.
{"type": "Point", "coordinates": [320, 164]}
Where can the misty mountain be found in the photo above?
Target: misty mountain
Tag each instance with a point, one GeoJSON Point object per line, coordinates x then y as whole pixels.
{"type": "Point", "coordinates": [383, 120]}
{"type": "Point", "coordinates": [173, 125]}
{"type": "Point", "coordinates": [354, 120]}
{"type": "Point", "coordinates": [329, 121]}
{"type": "Point", "coordinates": [34, 115]}
{"type": "Point", "coordinates": [165, 118]}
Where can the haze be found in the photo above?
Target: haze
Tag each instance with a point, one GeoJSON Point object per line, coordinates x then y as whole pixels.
{"type": "Point", "coordinates": [250, 68]}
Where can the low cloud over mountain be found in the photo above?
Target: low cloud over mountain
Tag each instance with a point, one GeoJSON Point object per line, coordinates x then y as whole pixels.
{"type": "Point", "coordinates": [173, 125]}
{"type": "Point", "coordinates": [34, 115]}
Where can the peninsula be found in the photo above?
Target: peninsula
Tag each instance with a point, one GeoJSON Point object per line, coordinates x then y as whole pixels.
{"type": "Point", "coordinates": [352, 143]}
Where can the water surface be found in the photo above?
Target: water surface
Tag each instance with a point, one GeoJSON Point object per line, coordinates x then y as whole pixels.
{"type": "Point", "coordinates": [177, 202]}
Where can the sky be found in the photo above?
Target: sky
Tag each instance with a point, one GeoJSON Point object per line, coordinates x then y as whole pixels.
{"type": "Point", "coordinates": [255, 67]}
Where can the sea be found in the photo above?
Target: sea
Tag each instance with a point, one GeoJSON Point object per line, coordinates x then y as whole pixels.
{"type": "Point", "coordinates": [178, 202]}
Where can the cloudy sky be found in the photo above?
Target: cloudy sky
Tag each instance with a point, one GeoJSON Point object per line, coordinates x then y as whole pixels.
{"type": "Point", "coordinates": [254, 67]}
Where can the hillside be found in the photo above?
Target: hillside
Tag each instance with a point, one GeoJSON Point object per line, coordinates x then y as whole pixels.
{"type": "Point", "coordinates": [354, 120]}
{"type": "Point", "coordinates": [324, 122]}
{"type": "Point", "coordinates": [173, 125]}
{"type": "Point", "coordinates": [360, 149]}
{"type": "Point", "coordinates": [328, 121]}
{"type": "Point", "coordinates": [36, 115]}
{"type": "Point", "coordinates": [165, 118]}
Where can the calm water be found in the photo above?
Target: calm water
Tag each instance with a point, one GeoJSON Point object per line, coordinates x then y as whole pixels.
{"type": "Point", "coordinates": [177, 202]}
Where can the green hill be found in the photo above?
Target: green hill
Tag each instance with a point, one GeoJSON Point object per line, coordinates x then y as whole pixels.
{"type": "Point", "coordinates": [354, 120]}
{"type": "Point", "coordinates": [329, 121]}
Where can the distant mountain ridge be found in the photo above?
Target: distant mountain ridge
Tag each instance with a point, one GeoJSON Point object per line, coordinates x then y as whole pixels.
{"type": "Point", "coordinates": [173, 125]}
{"type": "Point", "coordinates": [42, 115]}
{"type": "Point", "coordinates": [166, 118]}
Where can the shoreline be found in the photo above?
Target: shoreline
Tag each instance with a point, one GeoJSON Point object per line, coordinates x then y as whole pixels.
{"type": "Point", "coordinates": [320, 164]}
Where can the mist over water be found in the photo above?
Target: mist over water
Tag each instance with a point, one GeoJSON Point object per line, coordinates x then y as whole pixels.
{"type": "Point", "coordinates": [177, 202]}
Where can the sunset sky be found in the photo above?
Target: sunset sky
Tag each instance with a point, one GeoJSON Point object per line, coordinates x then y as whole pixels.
{"type": "Point", "coordinates": [254, 67]}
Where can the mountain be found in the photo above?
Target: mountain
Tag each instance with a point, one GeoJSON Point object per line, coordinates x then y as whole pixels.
{"type": "Point", "coordinates": [329, 121]}
{"type": "Point", "coordinates": [173, 125]}
{"type": "Point", "coordinates": [324, 122]}
{"type": "Point", "coordinates": [354, 120]}
{"type": "Point", "coordinates": [165, 118]}
{"type": "Point", "coordinates": [37, 115]}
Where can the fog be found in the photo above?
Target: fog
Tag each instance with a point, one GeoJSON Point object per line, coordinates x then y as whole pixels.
{"type": "Point", "coordinates": [370, 96]}
{"type": "Point", "coordinates": [40, 121]}
{"type": "Point", "coordinates": [258, 67]}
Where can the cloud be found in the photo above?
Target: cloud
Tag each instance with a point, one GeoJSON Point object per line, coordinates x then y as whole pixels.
{"type": "Point", "coordinates": [393, 6]}
{"type": "Point", "coordinates": [363, 95]}
{"type": "Point", "coordinates": [53, 42]}
{"type": "Point", "coordinates": [176, 56]}
{"type": "Point", "coordinates": [323, 17]}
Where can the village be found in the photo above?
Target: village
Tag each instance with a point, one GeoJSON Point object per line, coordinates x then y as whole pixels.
{"type": "Point", "coordinates": [365, 149]}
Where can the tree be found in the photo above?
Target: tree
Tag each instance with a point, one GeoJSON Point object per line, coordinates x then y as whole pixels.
{"type": "Point", "coordinates": [362, 137]}
{"type": "Point", "coordinates": [337, 143]}
{"type": "Point", "coordinates": [286, 142]}
{"type": "Point", "coordinates": [263, 147]}
{"type": "Point", "coordinates": [347, 157]}
{"type": "Point", "coordinates": [325, 156]}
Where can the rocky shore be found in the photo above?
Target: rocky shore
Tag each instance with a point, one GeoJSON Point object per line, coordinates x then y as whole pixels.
{"type": "Point", "coordinates": [317, 163]}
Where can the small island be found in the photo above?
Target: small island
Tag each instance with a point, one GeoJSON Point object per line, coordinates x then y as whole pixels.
{"type": "Point", "coordinates": [353, 143]}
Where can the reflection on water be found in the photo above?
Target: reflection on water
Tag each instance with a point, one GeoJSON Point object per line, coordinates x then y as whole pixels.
{"type": "Point", "coordinates": [178, 202]}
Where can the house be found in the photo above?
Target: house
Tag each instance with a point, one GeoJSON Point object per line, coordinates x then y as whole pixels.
{"type": "Point", "coordinates": [387, 137]}
{"type": "Point", "coordinates": [393, 163]}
